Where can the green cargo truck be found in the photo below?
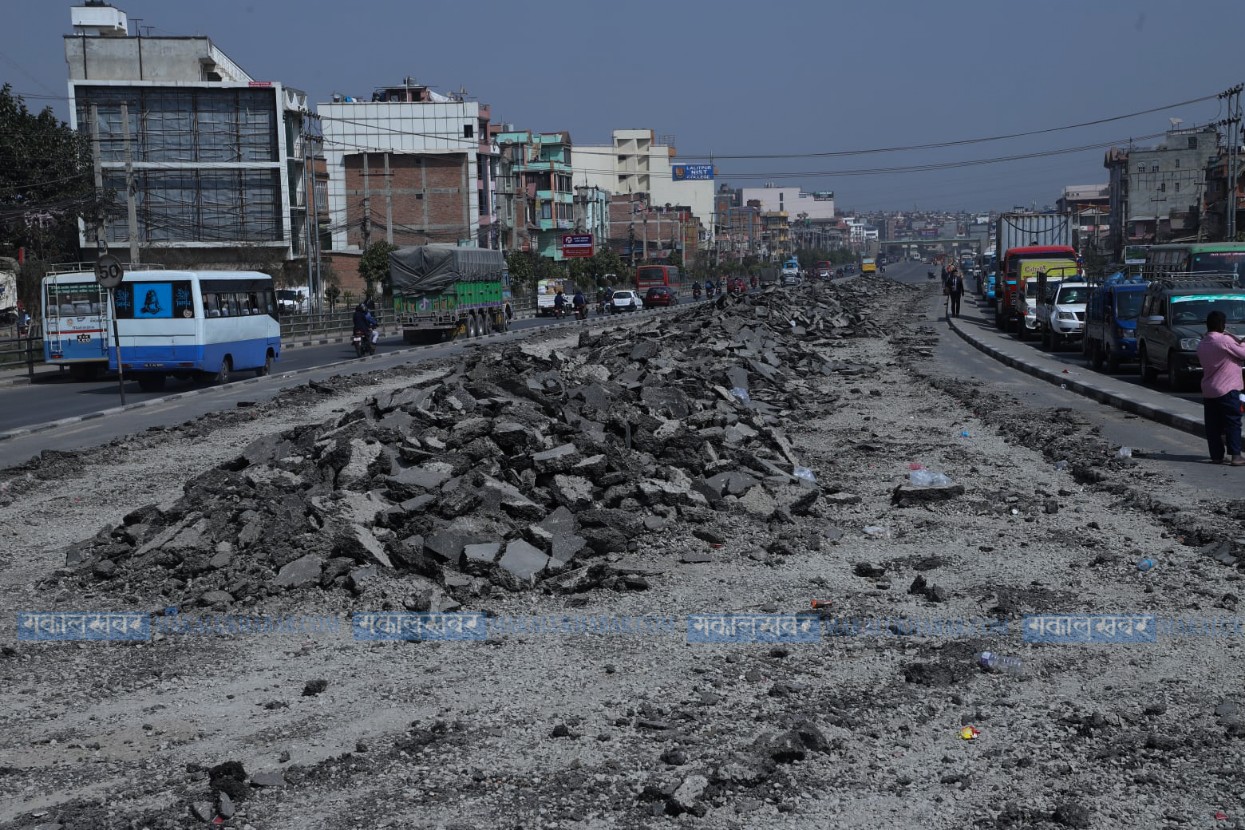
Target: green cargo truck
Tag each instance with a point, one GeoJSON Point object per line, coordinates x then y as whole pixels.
{"type": "Point", "coordinates": [441, 292]}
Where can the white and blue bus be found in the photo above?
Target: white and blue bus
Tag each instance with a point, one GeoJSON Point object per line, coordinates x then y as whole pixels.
{"type": "Point", "coordinates": [196, 324]}
{"type": "Point", "coordinates": [75, 323]}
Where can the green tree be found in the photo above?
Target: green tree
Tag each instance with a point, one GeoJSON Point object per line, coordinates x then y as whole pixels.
{"type": "Point", "coordinates": [374, 267]}
{"type": "Point", "coordinates": [522, 271]}
{"type": "Point", "coordinates": [46, 185]}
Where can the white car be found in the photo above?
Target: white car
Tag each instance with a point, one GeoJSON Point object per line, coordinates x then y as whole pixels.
{"type": "Point", "coordinates": [625, 300]}
{"type": "Point", "coordinates": [1063, 315]}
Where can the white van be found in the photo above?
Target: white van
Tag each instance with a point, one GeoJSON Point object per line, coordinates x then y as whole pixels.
{"type": "Point", "coordinates": [292, 300]}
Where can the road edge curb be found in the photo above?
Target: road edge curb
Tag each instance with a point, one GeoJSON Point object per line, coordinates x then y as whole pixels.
{"type": "Point", "coordinates": [1176, 420]}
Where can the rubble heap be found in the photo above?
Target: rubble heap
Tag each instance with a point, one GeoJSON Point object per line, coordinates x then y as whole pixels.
{"type": "Point", "coordinates": [522, 466]}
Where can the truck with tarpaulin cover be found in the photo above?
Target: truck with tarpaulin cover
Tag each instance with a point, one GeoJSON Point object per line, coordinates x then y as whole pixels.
{"type": "Point", "coordinates": [441, 292]}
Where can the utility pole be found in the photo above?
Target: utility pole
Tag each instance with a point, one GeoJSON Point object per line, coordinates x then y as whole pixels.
{"type": "Point", "coordinates": [309, 189]}
{"type": "Point", "coordinates": [1234, 141]}
{"type": "Point", "coordinates": [366, 226]}
{"type": "Point", "coordinates": [388, 203]}
{"type": "Point", "coordinates": [131, 207]}
{"type": "Point", "coordinates": [101, 242]}
{"type": "Point", "coordinates": [644, 255]}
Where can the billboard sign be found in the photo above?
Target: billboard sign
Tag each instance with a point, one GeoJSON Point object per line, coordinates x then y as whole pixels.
{"type": "Point", "coordinates": [577, 245]}
{"type": "Point", "coordinates": [691, 172]}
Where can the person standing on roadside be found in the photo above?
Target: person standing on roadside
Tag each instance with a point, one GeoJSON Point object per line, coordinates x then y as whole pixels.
{"type": "Point", "coordinates": [1222, 356]}
{"type": "Point", "coordinates": [955, 290]}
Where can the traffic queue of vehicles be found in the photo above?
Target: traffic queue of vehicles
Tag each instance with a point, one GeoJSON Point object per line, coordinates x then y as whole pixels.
{"type": "Point", "coordinates": [1151, 313]}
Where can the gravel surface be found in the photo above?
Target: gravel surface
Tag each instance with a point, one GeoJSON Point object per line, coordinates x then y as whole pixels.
{"type": "Point", "coordinates": [618, 728]}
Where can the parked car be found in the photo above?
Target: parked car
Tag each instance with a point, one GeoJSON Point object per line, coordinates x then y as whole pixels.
{"type": "Point", "coordinates": [660, 295]}
{"type": "Point", "coordinates": [1173, 320]}
{"type": "Point", "coordinates": [626, 300]}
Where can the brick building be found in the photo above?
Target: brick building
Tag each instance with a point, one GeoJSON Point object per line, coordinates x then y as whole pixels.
{"type": "Point", "coordinates": [408, 167]}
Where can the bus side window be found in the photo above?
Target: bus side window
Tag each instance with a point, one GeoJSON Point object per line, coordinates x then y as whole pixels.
{"type": "Point", "coordinates": [254, 300]}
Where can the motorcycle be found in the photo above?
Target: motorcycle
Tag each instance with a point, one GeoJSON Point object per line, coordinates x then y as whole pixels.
{"type": "Point", "coordinates": [696, 292]}
{"type": "Point", "coordinates": [362, 342]}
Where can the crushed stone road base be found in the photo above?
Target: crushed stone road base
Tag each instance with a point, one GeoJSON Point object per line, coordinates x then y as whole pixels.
{"type": "Point", "coordinates": [590, 496]}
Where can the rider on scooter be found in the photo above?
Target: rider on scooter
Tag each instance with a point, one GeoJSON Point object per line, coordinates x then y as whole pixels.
{"type": "Point", "coordinates": [365, 323]}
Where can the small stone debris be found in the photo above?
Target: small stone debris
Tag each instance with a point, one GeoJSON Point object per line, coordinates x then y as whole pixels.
{"type": "Point", "coordinates": [268, 779]}
{"type": "Point", "coordinates": [314, 687]}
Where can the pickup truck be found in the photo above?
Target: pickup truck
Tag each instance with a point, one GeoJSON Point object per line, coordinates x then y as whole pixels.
{"type": "Point", "coordinates": [1111, 322]}
{"type": "Point", "coordinates": [1062, 314]}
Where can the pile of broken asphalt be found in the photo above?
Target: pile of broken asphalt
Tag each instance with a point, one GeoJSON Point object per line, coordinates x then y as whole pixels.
{"type": "Point", "coordinates": [520, 467]}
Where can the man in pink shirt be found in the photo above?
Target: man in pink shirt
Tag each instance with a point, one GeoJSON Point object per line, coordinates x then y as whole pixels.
{"type": "Point", "coordinates": [1221, 356]}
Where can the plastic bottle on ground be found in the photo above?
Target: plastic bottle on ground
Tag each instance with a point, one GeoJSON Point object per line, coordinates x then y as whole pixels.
{"type": "Point", "coordinates": [1000, 663]}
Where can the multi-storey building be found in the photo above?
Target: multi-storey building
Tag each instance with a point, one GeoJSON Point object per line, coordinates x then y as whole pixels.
{"type": "Point", "coordinates": [217, 158]}
{"type": "Point", "coordinates": [536, 199]}
{"type": "Point", "coordinates": [792, 200]}
{"type": "Point", "coordinates": [1156, 194]}
{"type": "Point", "coordinates": [636, 163]}
{"type": "Point", "coordinates": [410, 166]}
{"type": "Point", "coordinates": [1090, 206]}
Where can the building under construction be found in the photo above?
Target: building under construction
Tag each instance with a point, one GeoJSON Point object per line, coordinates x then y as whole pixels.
{"type": "Point", "coordinates": [209, 165]}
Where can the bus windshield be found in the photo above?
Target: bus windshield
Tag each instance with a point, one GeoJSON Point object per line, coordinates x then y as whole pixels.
{"type": "Point", "coordinates": [1219, 262]}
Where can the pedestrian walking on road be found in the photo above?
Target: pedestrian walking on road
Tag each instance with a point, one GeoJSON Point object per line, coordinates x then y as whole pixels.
{"type": "Point", "coordinates": [1222, 356]}
{"type": "Point", "coordinates": [955, 291]}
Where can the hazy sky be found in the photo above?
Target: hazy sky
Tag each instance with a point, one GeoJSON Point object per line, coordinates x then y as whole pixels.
{"type": "Point", "coordinates": [737, 78]}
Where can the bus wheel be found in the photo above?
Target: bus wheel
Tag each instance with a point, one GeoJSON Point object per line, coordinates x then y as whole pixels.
{"type": "Point", "coordinates": [222, 376]}
{"type": "Point", "coordinates": [266, 369]}
{"type": "Point", "coordinates": [84, 371]}
{"type": "Point", "coordinates": [151, 383]}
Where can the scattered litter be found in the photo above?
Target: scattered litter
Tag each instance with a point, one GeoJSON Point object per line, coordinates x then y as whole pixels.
{"type": "Point", "coordinates": [1000, 663]}
{"type": "Point", "coordinates": [1145, 565]}
{"type": "Point", "coordinates": [805, 473]}
{"type": "Point", "coordinates": [1065, 371]}
{"type": "Point", "coordinates": [927, 478]}
{"type": "Point", "coordinates": [969, 733]}
{"type": "Point", "coordinates": [1220, 815]}
{"type": "Point", "coordinates": [915, 465]}
{"type": "Point", "coordinates": [1061, 464]}
{"type": "Point", "coordinates": [820, 603]}
{"type": "Point", "coordinates": [964, 434]}
{"type": "Point", "coordinates": [1063, 386]}
{"type": "Point", "coordinates": [877, 532]}
{"type": "Point", "coordinates": [1015, 512]}
{"type": "Point", "coordinates": [1124, 452]}
{"type": "Point", "coordinates": [742, 394]}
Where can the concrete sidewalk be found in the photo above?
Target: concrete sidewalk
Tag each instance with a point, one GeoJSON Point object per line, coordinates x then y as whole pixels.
{"type": "Point", "coordinates": [976, 325]}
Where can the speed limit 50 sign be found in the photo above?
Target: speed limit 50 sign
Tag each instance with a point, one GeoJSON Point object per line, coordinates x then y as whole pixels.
{"type": "Point", "coordinates": [108, 271]}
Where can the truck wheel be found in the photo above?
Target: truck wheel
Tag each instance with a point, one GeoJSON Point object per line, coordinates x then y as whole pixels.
{"type": "Point", "coordinates": [1095, 355]}
{"type": "Point", "coordinates": [1113, 362]}
{"type": "Point", "coordinates": [1148, 373]}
